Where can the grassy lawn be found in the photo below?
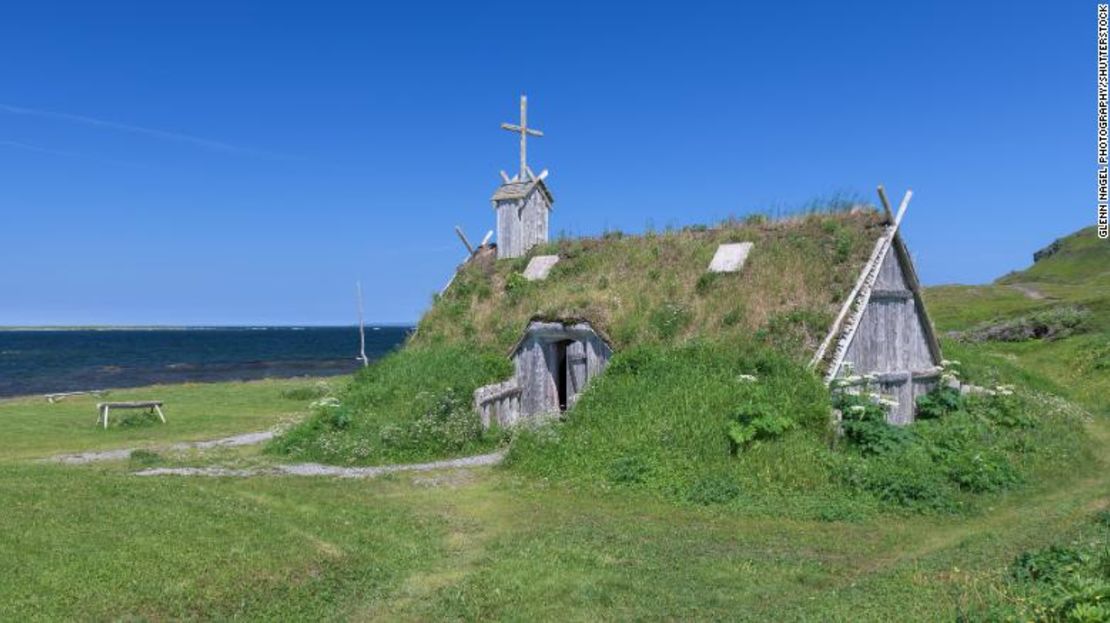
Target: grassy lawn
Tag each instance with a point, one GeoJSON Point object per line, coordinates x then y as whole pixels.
{"type": "Point", "coordinates": [88, 544]}
{"type": "Point", "coordinates": [96, 543]}
{"type": "Point", "coordinates": [93, 542]}
{"type": "Point", "coordinates": [34, 428]}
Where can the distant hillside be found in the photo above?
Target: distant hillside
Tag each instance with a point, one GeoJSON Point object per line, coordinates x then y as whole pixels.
{"type": "Point", "coordinates": [1069, 281]}
{"type": "Point", "coordinates": [1081, 258]}
{"type": "Point", "coordinates": [1074, 271]}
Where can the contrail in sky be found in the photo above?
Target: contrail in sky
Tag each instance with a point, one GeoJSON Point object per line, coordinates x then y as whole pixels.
{"type": "Point", "coordinates": [68, 154]}
{"type": "Point", "coordinates": [134, 129]}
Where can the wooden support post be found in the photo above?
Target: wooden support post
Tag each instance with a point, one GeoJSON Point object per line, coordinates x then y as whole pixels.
{"type": "Point", "coordinates": [886, 204]}
{"type": "Point", "coordinates": [466, 243]}
{"type": "Point", "coordinates": [361, 327]}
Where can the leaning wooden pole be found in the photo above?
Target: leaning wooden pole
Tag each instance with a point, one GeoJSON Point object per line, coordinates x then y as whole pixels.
{"type": "Point", "coordinates": [864, 295]}
{"type": "Point", "coordinates": [361, 327]}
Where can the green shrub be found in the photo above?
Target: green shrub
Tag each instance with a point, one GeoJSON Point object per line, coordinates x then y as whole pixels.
{"type": "Point", "coordinates": [713, 489]}
{"type": "Point", "coordinates": [757, 418]}
{"type": "Point", "coordinates": [939, 402]}
{"type": "Point", "coordinates": [516, 284]}
{"type": "Point", "coordinates": [864, 425]}
{"type": "Point", "coordinates": [980, 471]}
{"type": "Point", "coordinates": [1004, 409]}
{"type": "Point", "coordinates": [1047, 565]}
{"type": "Point", "coordinates": [411, 405]}
{"type": "Point", "coordinates": [448, 426]}
{"type": "Point", "coordinates": [907, 478]}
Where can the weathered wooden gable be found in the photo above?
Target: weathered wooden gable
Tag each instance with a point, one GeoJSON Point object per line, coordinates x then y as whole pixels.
{"type": "Point", "coordinates": [893, 333]}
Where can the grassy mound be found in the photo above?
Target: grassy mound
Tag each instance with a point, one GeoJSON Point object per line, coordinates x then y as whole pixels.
{"type": "Point", "coordinates": [412, 405]}
{"type": "Point", "coordinates": [639, 290]}
{"type": "Point", "coordinates": [654, 289]}
{"type": "Point", "coordinates": [707, 400]}
{"type": "Point", "coordinates": [748, 428]}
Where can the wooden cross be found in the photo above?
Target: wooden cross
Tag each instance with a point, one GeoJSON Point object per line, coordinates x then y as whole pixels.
{"type": "Point", "coordinates": [524, 131]}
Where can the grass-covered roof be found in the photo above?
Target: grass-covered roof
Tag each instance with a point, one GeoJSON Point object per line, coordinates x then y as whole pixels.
{"type": "Point", "coordinates": [655, 288]}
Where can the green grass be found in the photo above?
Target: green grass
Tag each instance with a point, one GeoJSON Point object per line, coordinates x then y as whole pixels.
{"type": "Point", "coordinates": [87, 544]}
{"type": "Point", "coordinates": [34, 428]}
{"type": "Point", "coordinates": [552, 537]}
{"type": "Point", "coordinates": [659, 421]}
{"type": "Point", "coordinates": [412, 405]}
{"type": "Point", "coordinates": [654, 289]}
{"type": "Point", "coordinates": [1081, 261]}
{"type": "Point", "coordinates": [94, 543]}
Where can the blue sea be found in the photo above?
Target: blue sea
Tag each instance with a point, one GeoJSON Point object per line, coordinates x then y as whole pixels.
{"type": "Point", "coordinates": [46, 361]}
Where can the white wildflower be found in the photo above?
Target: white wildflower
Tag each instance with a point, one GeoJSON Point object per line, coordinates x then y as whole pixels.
{"type": "Point", "coordinates": [324, 403]}
{"type": "Point", "coordinates": [746, 378]}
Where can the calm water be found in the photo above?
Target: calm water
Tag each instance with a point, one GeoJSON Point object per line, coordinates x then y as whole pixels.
{"type": "Point", "coordinates": [35, 362]}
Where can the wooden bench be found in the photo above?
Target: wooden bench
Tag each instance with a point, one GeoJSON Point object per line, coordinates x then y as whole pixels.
{"type": "Point", "coordinates": [52, 398]}
{"type": "Point", "coordinates": [102, 408]}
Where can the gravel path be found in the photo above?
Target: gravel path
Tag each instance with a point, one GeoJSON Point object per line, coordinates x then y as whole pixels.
{"type": "Point", "coordinates": [316, 469]}
{"type": "Point", "coordinates": [246, 439]}
{"type": "Point", "coordinates": [1028, 291]}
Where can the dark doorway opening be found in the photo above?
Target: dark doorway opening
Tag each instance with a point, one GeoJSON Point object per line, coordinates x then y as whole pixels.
{"type": "Point", "coordinates": [561, 372]}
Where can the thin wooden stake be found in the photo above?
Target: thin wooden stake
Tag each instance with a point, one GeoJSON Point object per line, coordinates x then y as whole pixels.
{"type": "Point", "coordinates": [466, 243]}
{"type": "Point", "coordinates": [361, 327]}
{"type": "Point", "coordinates": [886, 204]}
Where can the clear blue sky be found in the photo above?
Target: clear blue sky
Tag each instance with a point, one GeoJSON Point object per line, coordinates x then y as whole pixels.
{"type": "Point", "coordinates": [228, 163]}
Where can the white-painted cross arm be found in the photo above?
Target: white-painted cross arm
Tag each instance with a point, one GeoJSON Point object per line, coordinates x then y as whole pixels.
{"type": "Point", "coordinates": [516, 128]}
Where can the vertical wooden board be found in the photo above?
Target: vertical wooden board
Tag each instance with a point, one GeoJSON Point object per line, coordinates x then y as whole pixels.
{"type": "Point", "coordinates": [890, 338]}
{"type": "Point", "coordinates": [890, 274]}
{"type": "Point", "coordinates": [577, 366]}
{"type": "Point", "coordinates": [534, 221]}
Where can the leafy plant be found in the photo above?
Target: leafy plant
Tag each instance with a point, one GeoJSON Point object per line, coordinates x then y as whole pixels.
{"type": "Point", "coordinates": [1045, 565]}
{"type": "Point", "coordinates": [516, 284]}
{"type": "Point", "coordinates": [758, 419]}
{"type": "Point", "coordinates": [865, 427]}
{"type": "Point", "coordinates": [713, 489]}
{"type": "Point", "coordinates": [939, 402]}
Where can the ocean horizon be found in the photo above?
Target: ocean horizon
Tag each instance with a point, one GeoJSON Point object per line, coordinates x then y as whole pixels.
{"type": "Point", "coordinates": [39, 360]}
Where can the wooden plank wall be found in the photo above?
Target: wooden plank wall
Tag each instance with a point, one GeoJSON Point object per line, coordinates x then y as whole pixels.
{"type": "Point", "coordinates": [891, 342]}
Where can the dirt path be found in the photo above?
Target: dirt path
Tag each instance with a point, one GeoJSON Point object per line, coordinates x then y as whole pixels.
{"type": "Point", "coordinates": [317, 469]}
{"type": "Point", "coordinates": [1029, 291]}
{"type": "Point", "coordinates": [245, 439]}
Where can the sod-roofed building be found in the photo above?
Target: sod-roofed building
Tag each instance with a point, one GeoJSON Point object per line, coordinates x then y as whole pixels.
{"type": "Point", "coordinates": [835, 289]}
